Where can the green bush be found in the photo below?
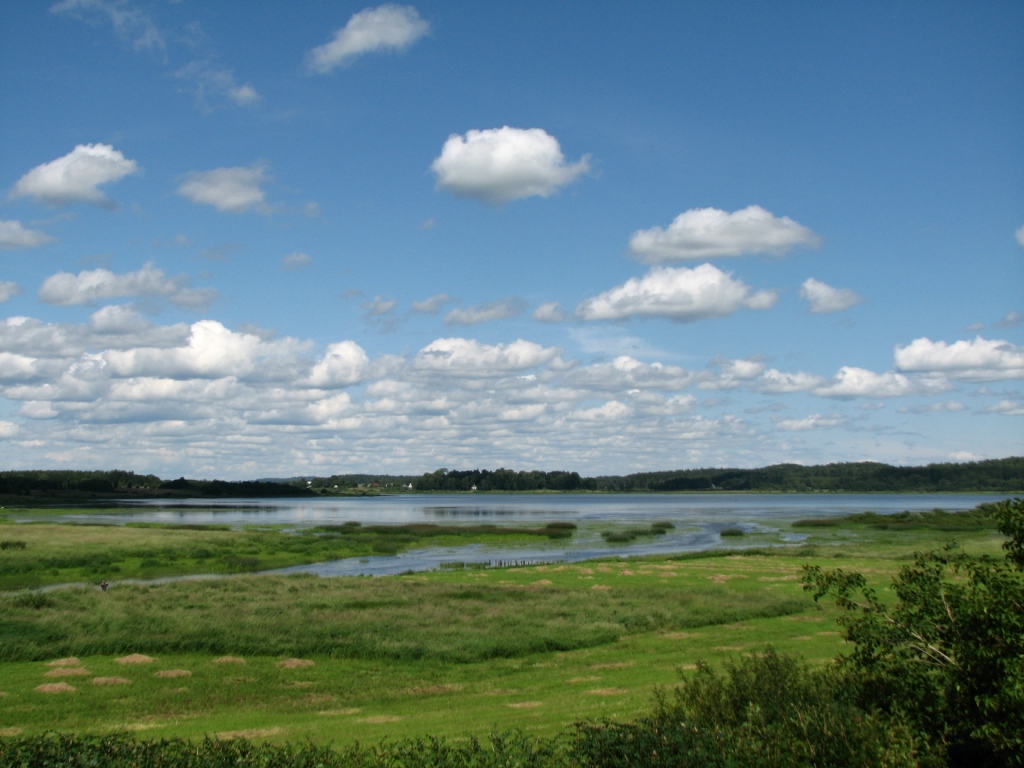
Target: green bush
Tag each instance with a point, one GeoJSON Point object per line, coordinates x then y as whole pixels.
{"type": "Point", "coordinates": [768, 710]}
{"type": "Point", "coordinates": [948, 656]}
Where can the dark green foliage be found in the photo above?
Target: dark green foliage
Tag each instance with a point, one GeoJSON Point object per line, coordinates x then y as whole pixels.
{"type": "Point", "coordinates": [732, 532]}
{"type": "Point", "coordinates": [57, 480]}
{"type": "Point", "coordinates": [948, 655]}
{"type": "Point", "coordinates": [996, 475]}
{"type": "Point", "coordinates": [506, 480]}
{"type": "Point", "coordinates": [980, 518]}
{"type": "Point", "coordinates": [246, 489]}
{"type": "Point", "coordinates": [629, 534]}
{"type": "Point", "coordinates": [9, 544]}
{"type": "Point", "coordinates": [117, 751]}
{"type": "Point", "coordinates": [768, 710]}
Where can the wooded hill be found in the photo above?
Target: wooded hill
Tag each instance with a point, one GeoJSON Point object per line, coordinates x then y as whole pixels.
{"type": "Point", "coordinates": [996, 476]}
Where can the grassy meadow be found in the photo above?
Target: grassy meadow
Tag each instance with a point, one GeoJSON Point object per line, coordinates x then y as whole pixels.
{"type": "Point", "coordinates": [448, 653]}
{"type": "Point", "coordinates": [40, 553]}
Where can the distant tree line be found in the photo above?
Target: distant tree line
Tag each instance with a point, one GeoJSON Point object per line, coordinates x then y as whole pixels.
{"type": "Point", "coordinates": [119, 482]}
{"type": "Point", "coordinates": [55, 480]}
{"type": "Point", "coordinates": [996, 475]}
{"type": "Point", "coordinates": [503, 480]}
{"type": "Point", "coordinates": [249, 489]}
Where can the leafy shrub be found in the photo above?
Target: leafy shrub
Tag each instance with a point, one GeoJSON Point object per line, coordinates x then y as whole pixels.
{"type": "Point", "coordinates": [948, 656]}
{"type": "Point", "coordinates": [768, 710]}
{"type": "Point", "coordinates": [10, 544]}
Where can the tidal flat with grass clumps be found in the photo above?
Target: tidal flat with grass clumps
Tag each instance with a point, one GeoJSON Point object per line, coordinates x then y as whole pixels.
{"type": "Point", "coordinates": [454, 653]}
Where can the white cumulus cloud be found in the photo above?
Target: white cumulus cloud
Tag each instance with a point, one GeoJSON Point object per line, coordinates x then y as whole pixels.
{"type": "Point", "coordinates": [76, 177]}
{"type": "Point", "coordinates": [977, 360]}
{"type": "Point", "coordinates": [707, 233]}
{"type": "Point", "coordinates": [92, 286]}
{"type": "Point", "coordinates": [823, 298]}
{"type": "Point", "coordinates": [345, 363]}
{"type": "Point", "coordinates": [13, 235]}
{"type": "Point", "coordinates": [502, 164]}
{"type": "Point", "coordinates": [677, 293]}
{"type": "Point", "coordinates": [233, 190]}
{"type": "Point", "coordinates": [628, 373]}
{"type": "Point", "coordinates": [211, 351]}
{"type": "Point", "coordinates": [1020, 236]}
{"type": "Point", "coordinates": [859, 382]}
{"type": "Point", "coordinates": [470, 357]}
{"type": "Point", "coordinates": [387, 27]}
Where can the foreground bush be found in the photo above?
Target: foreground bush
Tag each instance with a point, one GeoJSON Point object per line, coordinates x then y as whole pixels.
{"type": "Point", "coordinates": [768, 710]}
{"type": "Point", "coordinates": [64, 751]}
{"type": "Point", "coordinates": [948, 656]}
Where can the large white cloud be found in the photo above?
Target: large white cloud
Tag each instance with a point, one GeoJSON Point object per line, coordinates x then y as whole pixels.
{"type": "Point", "coordinates": [707, 233]}
{"type": "Point", "coordinates": [470, 357]}
{"type": "Point", "coordinates": [13, 235]}
{"type": "Point", "coordinates": [823, 298]}
{"type": "Point", "coordinates": [977, 360]}
{"type": "Point", "coordinates": [387, 27]}
{"type": "Point", "coordinates": [677, 293]}
{"type": "Point", "coordinates": [345, 363]}
{"type": "Point", "coordinates": [859, 382]}
{"type": "Point", "coordinates": [76, 177]}
{"type": "Point", "coordinates": [503, 164]}
{"type": "Point", "coordinates": [233, 190]}
{"type": "Point", "coordinates": [92, 286]}
{"type": "Point", "coordinates": [212, 351]}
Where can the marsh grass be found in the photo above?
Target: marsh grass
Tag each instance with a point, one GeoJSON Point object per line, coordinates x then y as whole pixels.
{"type": "Point", "coordinates": [46, 553]}
{"type": "Point", "coordinates": [450, 654]}
{"type": "Point", "coordinates": [977, 519]}
{"type": "Point", "coordinates": [405, 618]}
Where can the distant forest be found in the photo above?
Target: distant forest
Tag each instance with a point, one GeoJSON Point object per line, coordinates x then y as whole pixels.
{"type": "Point", "coordinates": [996, 475]}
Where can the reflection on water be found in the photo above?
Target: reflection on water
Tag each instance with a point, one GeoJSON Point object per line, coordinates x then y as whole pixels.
{"type": "Point", "coordinates": [698, 520]}
{"type": "Point", "coordinates": [489, 511]}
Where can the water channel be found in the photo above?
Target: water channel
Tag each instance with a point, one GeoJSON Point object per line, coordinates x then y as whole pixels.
{"type": "Point", "coordinates": [699, 520]}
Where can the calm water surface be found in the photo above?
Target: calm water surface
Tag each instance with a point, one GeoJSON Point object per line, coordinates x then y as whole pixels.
{"type": "Point", "coordinates": [698, 519]}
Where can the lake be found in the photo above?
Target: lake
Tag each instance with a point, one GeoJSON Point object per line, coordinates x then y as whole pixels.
{"type": "Point", "coordinates": [698, 520]}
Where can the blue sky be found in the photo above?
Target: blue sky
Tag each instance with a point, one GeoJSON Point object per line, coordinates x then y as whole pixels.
{"type": "Point", "coordinates": [250, 239]}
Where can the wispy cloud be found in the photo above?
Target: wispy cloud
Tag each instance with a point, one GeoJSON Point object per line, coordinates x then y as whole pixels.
{"type": "Point", "coordinates": [385, 28]}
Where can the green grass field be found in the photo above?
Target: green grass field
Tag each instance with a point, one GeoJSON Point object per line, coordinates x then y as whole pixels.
{"type": "Point", "coordinates": [447, 653]}
{"type": "Point", "coordinates": [40, 553]}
